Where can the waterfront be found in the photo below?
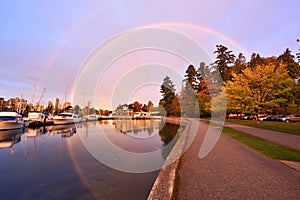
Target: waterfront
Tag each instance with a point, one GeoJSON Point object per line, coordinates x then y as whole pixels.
{"type": "Point", "coordinates": [53, 162]}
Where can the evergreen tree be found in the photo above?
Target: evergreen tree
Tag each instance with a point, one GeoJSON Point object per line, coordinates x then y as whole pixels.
{"type": "Point", "coordinates": [255, 60]}
{"type": "Point", "coordinates": [239, 64]}
{"type": "Point", "coordinates": [224, 59]}
{"type": "Point", "coordinates": [298, 54]}
{"type": "Point", "coordinates": [189, 98]}
{"type": "Point", "coordinates": [201, 72]}
{"type": "Point", "coordinates": [192, 77]}
{"type": "Point", "coordinates": [168, 92]}
{"type": "Point", "coordinates": [292, 66]}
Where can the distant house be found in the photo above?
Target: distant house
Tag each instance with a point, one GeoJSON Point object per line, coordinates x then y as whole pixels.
{"type": "Point", "coordinates": [123, 112]}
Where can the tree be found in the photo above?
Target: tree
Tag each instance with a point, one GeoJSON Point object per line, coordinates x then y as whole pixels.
{"type": "Point", "coordinates": [137, 106]}
{"type": "Point", "coordinates": [168, 92]}
{"type": "Point", "coordinates": [210, 86]}
{"type": "Point", "coordinates": [292, 66]}
{"type": "Point", "coordinates": [298, 54]}
{"type": "Point", "coordinates": [175, 107]}
{"type": "Point", "coordinates": [239, 64]}
{"type": "Point", "coordinates": [255, 60]}
{"type": "Point", "coordinates": [203, 94]}
{"type": "Point", "coordinates": [224, 59]}
{"type": "Point", "coordinates": [189, 91]}
{"type": "Point", "coordinates": [294, 104]}
{"type": "Point", "coordinates": [144, 108]}
{"type": "Point", "coordinates": [259, 89]}
{"type": "Point", "coordinates": [149, 106]}
{"type": "Point", "coordinates": [77, 109]}
{"type": "Point", "coordinates": [192, 77]}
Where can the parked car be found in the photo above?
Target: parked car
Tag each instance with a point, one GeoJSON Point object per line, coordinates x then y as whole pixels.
{"type": "Point", "coordinates": [295, 118]}
{"type": "Point", "coordinates": [263, 118]}
{"type": "Point", "coordinates": [272, 117]}
{"type": "Point", "coordinates": [284, 118]}
{"type": "Point", "coordinates": [247, 117]}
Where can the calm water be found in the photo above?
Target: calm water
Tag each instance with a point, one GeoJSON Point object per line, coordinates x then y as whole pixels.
{"type": "Point", "coordinates": [60, 162]}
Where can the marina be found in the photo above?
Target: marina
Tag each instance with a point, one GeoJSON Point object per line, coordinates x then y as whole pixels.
{"type": "Point", "coordinates": [56, 158]}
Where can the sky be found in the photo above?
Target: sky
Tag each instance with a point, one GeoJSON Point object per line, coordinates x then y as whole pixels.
{"type": "Point", "coordinates": [62, 45]}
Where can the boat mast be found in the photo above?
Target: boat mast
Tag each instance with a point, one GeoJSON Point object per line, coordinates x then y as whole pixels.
{"type": "Point", "coordinates": [66, 93]}
{"type": "Point", "coordinates": [83, 108]}
{"type": "Point", "coordinates": [38, 104]}
{"type": "Point", "coordinates": [33, 92]}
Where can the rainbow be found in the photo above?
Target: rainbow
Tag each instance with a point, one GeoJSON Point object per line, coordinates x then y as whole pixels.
{"type": "Point", "coordinates": [176, 26]}
{"type": "Point", "coordinates": [173, 26]}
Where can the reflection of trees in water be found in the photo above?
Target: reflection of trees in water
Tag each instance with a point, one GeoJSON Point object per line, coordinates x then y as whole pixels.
{"type": "Point", "coordinates": [150, 130]}
{"type": "Point", "coordinates": [168, 132]}
{"type": "Point", "coordinates": [137, 126]}
{"type": "Point", "coordinates": [169, 136]}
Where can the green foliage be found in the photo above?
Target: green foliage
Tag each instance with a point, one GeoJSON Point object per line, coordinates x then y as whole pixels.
{"type": "Point", "coordinates": [168, 102]}
{"type": "Point", "coordinates": [191, 77]}
{"type": "Point", "coordinates": [292, 66]}
{"type": "Point", "coordinates": [296, 93]}
{"type": "Point", "coordinates": [224, 59]}
{"type": "Point", "coordinates": [239, 64]}
{"type": "Point", "coordinates": [255, 60]}
{"type": "Point", "coordinates": [259, 89]}
{"type": "Point", "coordinates": [189, 91]}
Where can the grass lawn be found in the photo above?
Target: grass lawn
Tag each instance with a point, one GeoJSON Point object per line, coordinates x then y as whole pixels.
{"type": "Point", "coordinates": [265, 147]}
{"type": "Point", "coordinates": [290, 128]}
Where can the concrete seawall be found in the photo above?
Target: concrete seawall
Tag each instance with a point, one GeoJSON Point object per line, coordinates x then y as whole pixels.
{"type": "Point", "coordinates": [163, 187]}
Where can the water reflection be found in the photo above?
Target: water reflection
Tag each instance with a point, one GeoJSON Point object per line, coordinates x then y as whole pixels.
{"type": "Point", "coordinates": [9, 138]}
{"type": "Point", "coordinates": [168, 132]}
{"type": "Point", "coordinates": [137, 127]}
{"type": "Point", "coordinates": [169, 136]}
{"type": "Point", "coordinates": [52, 162]}
{"type": "Point", "coordinates": [66, 130]}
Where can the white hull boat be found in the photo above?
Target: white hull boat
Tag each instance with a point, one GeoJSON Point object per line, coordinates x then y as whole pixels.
{"type": "Point", "coordinates": [65, 118]}
{"type": "Point", "coordinates": [11, 120]}
{"type": "Point", "coordinates": [92, 117]}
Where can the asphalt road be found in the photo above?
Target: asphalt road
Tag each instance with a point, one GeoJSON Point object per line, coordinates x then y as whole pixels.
{"type": "Point", "coordinates": [234, 171]}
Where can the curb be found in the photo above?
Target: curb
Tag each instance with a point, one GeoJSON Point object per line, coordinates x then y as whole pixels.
{"type": "Point", "coordinates": [163, 187]}
{"type": "Point", "coordinates": [292, 164]}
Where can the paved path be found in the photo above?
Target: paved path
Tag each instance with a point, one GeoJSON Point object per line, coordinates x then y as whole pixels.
{"type": "Point", "coordinates": [234, 171]}
{"type": "Point", "coordinates": [288, 140]}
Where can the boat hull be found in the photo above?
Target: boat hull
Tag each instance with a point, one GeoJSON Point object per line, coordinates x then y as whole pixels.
{"type": "Point", "coordinates": [64, 121]}
{"type": "Point", "coordinates": [9, 125]}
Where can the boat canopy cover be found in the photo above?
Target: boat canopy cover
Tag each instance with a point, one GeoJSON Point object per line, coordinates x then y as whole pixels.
{"type": "Point", "coordinates": [9, 114]}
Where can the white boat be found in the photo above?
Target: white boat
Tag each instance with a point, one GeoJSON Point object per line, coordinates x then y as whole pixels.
{"type": "Point", "coordinates": [66, 118]}
{"type": "Point", "coordinates": [11, 120]}
{"type": "Point", "coordinates": [36, 118]}
{"type": "Point", "coordinates": [92, 117]}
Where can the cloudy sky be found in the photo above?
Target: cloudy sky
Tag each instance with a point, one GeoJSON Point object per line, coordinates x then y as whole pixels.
{"type": "Point", "coordinates": [51, 44]}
